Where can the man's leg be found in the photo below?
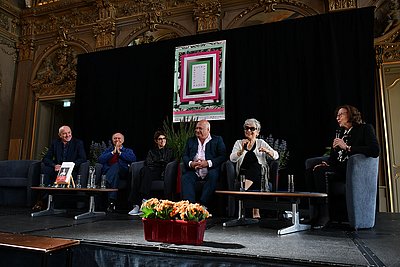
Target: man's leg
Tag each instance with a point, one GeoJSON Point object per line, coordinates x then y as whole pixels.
{"type": "Point", "coordinates": [112, 177]}
{"type": "Point", "coordinates": [188, 182]}
{"type": "Point", "coordinates": [49, 174]}
{"type": "Point", "coordinates": [210, 186]}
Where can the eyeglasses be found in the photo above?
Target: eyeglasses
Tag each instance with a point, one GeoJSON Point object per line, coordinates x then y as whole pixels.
{"type": "Point", "coordinates": [246, 128]}
{"type": "Point", "coordinates": [161, 138]}
{"type": "Point", "coordinates": [340, 114]}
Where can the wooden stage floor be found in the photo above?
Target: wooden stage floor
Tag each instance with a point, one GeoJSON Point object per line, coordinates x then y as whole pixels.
{"type": "Point", "coordinates": [108, 240]}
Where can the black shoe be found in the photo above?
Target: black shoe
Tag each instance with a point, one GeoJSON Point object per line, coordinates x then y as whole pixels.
{"type": "Point", "coordinates": [321, 223]}
{"type": "Point", "coordinates": [111, 207]}
{"type": "Point", "coordinates": [38, 206]}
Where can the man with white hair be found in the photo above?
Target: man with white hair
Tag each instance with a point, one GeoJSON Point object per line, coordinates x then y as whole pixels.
{"type": "Point", "coordinates": [202, 157]}
{"type": "Point", "coordinates": [64, 149]}
{"type": "Point", "coordinates": [116, 161]}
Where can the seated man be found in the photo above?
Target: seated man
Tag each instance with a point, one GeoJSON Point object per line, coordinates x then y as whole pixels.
{"type": "Point", "coordinates": [202, 158]}
{"type": "Point", "coordinates": [154, 167]}
{"type": "Point", "coordinates": [64, 149]}
{"type": "Point", "coordinates": [115, 160]}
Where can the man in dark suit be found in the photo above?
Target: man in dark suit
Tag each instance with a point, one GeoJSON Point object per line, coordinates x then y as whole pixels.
{"type": "Point", "coordinates": [64, 149]}
{"type": "Point", "coordinates": [202, 157]}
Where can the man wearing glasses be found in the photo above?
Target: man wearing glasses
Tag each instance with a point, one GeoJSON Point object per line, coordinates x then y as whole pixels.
{"type": "Point", "coordinates": [202, 158]}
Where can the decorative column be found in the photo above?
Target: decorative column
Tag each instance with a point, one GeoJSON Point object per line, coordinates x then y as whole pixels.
{"type": "Point", "coordinates": [20, 119]}
{"type": "Point", "coordinates": [104, 31]}
{"type": "Point", "coordinates": [207, 14]}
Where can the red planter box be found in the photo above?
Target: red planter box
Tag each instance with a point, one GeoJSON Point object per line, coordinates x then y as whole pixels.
{"type": "Point", "coordinates": [174, 231]}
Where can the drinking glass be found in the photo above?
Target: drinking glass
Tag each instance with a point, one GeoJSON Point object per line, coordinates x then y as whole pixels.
{"type": "Point", "coordinates": [103, 182]}
{"type": "Point", "coordinates": [290, 183]}
{"type": "Point", "coordinates": [78, 181]}
{"type": "Point", "coordinates": [42, 180]}
{"type": "Point", "coordinates": [242, 182]}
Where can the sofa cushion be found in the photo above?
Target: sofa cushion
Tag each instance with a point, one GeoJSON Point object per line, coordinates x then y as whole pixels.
{"type": "Point", "coordinates": [13, 181]}
{"type": "Point", "coordinates": [16, 168]}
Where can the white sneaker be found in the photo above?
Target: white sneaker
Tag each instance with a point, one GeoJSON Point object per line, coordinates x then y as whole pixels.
{"type": "Point", "coordinates": [135, 211]}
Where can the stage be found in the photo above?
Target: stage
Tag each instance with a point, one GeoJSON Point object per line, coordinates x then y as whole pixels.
{"type": "Point", "coordinates": [117, 240]}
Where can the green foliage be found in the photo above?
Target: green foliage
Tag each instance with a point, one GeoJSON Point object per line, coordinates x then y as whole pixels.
{"type": "Point", "coordinates": [43, 153]}
{"type": "Point", "coordinates": [281, 147]}
{"type": "Point", "coordinates": [96, 149]}
{"type": "Point", "coordinates": [176, 139]}
{"type": "Point", "coordinates": [148, 212]}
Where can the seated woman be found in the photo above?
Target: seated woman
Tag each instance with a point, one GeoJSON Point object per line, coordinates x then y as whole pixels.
{"type": "Point", "coordinates": [250, 155]}
{"type": "Point", "coordinates": [353, 137]}
{"type": "Point", "coordinates": [154, 167]}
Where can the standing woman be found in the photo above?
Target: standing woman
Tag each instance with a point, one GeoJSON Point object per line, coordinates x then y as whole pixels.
{"type": "Point", "coordinates": [353, 137]}
{"type": "Point", "coordinates": [250, 155]}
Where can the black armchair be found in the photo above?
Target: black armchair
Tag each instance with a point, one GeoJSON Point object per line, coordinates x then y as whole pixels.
{"type": "Point", "coordinates": [16, 179]}
{"type": "Point", "coordinates": [355, 199]}
{"type": "Point", "coordinates": [166, 186]}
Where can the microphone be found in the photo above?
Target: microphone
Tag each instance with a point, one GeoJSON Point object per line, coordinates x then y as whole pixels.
{"type": "Point", "coordinates": [337, 133]}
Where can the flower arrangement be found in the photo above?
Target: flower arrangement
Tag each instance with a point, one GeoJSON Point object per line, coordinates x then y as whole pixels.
{"type": "Point", "coordinates": [169, 210]}
{"type": "Point", "coordinates": [281, 147]}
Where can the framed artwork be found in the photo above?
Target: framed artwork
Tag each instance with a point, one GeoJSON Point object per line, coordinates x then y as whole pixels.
{"type": "Point", "coordinates": [64, 175]}
{"type": "Point", "coordinates": [199, 82]}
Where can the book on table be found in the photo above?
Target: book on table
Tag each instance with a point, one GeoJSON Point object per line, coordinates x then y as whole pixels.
{"type": "Point", "coordinates": [65, 173]}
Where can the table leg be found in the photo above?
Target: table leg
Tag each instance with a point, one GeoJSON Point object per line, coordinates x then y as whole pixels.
{"type": "Point", "coordinates": [241, 220]}
{"type": "Point", "coordinates": [91, 213]}
{"type": "Point", "coordinates": [50, 209]}
{"type": "Point", "coordinates": [297, 226]}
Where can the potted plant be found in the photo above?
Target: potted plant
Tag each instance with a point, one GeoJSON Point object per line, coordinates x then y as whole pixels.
{"type": "Point", "coordinates": [280, 146]}
{"type": "Point", "coordinates": [177, 137]}
{"type": "Point", "coordinates": [174, 222]}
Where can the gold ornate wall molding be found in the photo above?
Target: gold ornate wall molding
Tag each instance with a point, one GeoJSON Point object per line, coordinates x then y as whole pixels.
{"type": "Point", "coordinates": [270, 6]}
{"type": "Point", "coordinates": [387, 47]}
{"type": "Point", "coordinates": [26, 49]}
{"type": "Point", "coordinates": [207, 15]}
{"type": "Point", "coordinates": [335, 5]}
{"type": "Point", "coordinates": [56, 73]}
{"type": "Point", "coordinates": [153, 27]}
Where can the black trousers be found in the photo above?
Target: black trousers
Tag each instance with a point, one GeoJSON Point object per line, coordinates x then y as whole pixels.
{"type": "Point", "coordinates": [142, 183]}
{"type": "Point", "coordinates": [318, 180]}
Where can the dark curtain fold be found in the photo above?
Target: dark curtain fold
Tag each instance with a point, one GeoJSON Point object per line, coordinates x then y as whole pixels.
{"type": "Point", "coordinates": [290, 75]}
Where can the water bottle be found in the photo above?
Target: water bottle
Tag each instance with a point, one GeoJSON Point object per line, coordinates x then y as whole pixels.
{"type": "Point", "coordinates": [93, 181]}
{"type": "Point", "coordinates": [91, 177]}
{"type": "Point", "coordinates": [264, 180]}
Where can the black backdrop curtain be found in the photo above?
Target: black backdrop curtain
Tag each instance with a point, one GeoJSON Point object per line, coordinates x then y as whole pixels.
{"type": "Point", "coordinates": [290, 75]}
